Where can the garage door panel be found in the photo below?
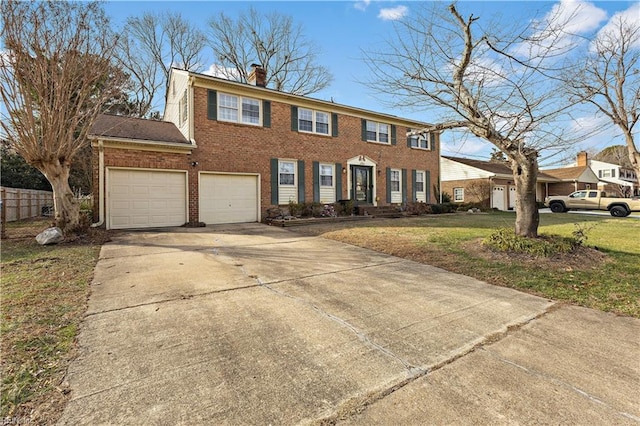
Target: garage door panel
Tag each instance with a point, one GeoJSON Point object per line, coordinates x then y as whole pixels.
{"type": "Point", "coordinates": [228, 198]}
{"type": "Point", "coordinates": [145, 198]}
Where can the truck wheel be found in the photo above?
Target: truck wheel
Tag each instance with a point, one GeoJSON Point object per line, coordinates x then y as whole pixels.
{"type": "Point", "coordinates": [557, 208]}
{"type": "Point", "coordinates": [619, 211]}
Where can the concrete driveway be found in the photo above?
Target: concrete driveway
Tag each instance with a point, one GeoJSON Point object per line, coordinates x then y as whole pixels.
{"type": "Point", "coordinates": [250, 324]}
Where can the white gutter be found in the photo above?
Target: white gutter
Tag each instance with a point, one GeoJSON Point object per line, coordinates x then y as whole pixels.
{"type": "Point", "coordinates": [100, 221]}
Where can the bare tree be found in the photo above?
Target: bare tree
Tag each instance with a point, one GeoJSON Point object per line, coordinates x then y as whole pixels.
{"type": "Point", "coordinates": [492, 84]}
{"type": "Point", "coordinates": [609, 79]}
{"type": "Point", "coordinates": [272, 41]}
{"type": "Point", "coordinates": [616, 154]}
{"type": "Point", "coordinates": [55, 76]}
{"type": "Point", "coordinates": [480, 191]}
{"type": "Point", "coordinates": [153, 43]}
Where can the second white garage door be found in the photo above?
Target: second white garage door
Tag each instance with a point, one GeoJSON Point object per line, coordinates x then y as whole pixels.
{"type": "Point", "coordinates": [228, 198]}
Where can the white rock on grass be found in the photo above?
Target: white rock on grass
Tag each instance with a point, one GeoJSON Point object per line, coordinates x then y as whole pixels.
{"type": "Point", "coordinates": [50, 236]}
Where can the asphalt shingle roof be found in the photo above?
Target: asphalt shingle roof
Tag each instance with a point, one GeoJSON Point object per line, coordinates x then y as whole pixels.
{"type": "Point", "coordinates": [116, 126]}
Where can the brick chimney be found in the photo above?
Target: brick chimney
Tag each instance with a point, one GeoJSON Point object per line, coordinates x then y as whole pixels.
{"type": "Point", "coordinates": [582, 159]}
{"type": "Point", "coordinates": [257, 76]}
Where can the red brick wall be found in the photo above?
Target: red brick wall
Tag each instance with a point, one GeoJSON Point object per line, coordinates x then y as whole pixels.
{"type": "Point", "coordinates": [228, 147]}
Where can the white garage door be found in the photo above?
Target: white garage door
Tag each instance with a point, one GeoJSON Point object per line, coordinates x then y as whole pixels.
{"type": "Point", "coordinates": [512, 197]}
{"type": "Point", "coordinates": [497, 199]}
{"type": "Point", "coordinates": [228, 198]}
{"type": "Point", "coordinates": [146, 198]}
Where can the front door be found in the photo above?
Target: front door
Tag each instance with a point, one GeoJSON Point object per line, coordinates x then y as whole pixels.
{"type": "Point", "coordinates": [362, 185]}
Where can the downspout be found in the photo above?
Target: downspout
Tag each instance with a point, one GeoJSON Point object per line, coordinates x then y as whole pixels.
{"type": "Point", "coordinates": [100, 221]}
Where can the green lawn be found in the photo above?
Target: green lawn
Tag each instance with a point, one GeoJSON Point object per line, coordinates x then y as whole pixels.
{"type": "Point", "coordinates": [607, 279]}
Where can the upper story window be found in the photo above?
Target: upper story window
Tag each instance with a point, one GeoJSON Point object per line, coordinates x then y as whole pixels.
{"type": "Point", "coordinates": [238, 109]}
{"type": "Point", "coordinates": [607, 173]}
{"type": "Point", "coordinates": [377, 132]}
{"type": "Point", "coordinates": [422, 141]}
{"type": "Point", "coordinates": [313, 121]}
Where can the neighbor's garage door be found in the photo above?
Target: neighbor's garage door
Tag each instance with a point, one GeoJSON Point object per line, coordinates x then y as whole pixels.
{"type": "Point", "coordinates": [146, 198]}
{"type": "Point", "coordinates": [228, 198]}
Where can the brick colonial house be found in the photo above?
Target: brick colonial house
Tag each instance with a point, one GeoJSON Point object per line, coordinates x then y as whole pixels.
{"type": "Point", "coordinates": [227, 152]}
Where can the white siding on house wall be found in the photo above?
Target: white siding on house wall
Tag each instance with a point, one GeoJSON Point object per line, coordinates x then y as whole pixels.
{"type": "Point", "coordinates": [179, 82]}
{"type": "Point", "coordinates": [287, 194]}
{"type": "Point", "coordinates": [452, 170]}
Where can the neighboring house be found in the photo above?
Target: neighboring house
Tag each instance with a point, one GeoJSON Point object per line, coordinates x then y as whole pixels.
{"type": "Point", "coordinates": [465, 179]}
{"type": "Point", "coordinates": [615, 179]}
{"type": "Point", "coordinates": [229, 151]}
{"type": "Point", "coordinates": [592, 174]}
{"type": "Point", "coordinates": [573, 178]}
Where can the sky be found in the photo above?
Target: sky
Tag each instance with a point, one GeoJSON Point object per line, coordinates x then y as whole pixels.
{"type": "Point", "coordinates": [344, 29]}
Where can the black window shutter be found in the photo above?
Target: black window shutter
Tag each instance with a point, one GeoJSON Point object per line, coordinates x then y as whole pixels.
{"type": "Point", "coordinates": [274, 181]}
{"type": "Point", "coordinates": [212, 105]}
{"type": "Point", "coordinates": [316, 182]}
{"type": "Point", "coordinates": [334, 125]}
{"type": "Point", "coordinates": [427, 185]}
{"type": "Point", "coordinates": [364, 129]}
{"type": "Point", "coordinates": [338, 181]}
{"type": "Point", "coordinates": [414, 196]}
{"type": "Point", "coordinates": [393, 134]}
{"type": "Point", "coordinates": [266, 113]}
{"type": "Point", "coordinates": [294, 118]}
{"type": "Point", "coordinates": [300, 181]}
{"type": "Point", "coordinates": [432, 137]}
{"type": "Point", "coordinates": [388, 184]}
{"type": "Point", "coordinates": [409, 141]}
{"type": "Point", "coordinates": [404, 186]}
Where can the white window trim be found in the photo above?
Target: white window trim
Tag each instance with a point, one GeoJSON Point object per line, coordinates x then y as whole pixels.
{"type": "Point", "coordinates": [423, 173]}
{"type": "Point", "coordinates": [377, 139]}
{"type": "Point", "coordinates": [455, 197]}
{"type": "Point", "coordinates": [239, 109]}
{"type": "Point", "coordinates": [295, 173]}
{"type": "Point", "coordinates": [399, 191]}
{"type": "Point", "coordinates": [333, 175]}
{"type": "Point", "coordinates": [428, 137]}
{"type": "Point", "coordinates": [314, 121]}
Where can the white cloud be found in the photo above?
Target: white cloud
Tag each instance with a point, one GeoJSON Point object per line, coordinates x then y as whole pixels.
{"type": "Point", "coordinates": [561, 27]}
{"type": "Point", "coordinates": [362, 5]}
{"type": "Point", "coordinates": [216, 70]}
{"type": "Point", "coordinates": [393, 14]}
{"type": "Point", "coordinates": [631, 15]}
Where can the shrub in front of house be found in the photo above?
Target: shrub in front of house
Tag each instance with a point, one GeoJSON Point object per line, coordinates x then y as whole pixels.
{"type": "Point", "coordinates": [506, 240]}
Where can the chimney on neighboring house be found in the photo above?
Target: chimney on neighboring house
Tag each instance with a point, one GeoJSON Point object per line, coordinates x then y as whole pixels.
{"type": "Point", "coordinates": [257, 76]}
{"type": "Point", "coordinates": [582, 159]}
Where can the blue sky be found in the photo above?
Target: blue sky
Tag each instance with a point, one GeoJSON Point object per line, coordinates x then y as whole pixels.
{"type": "Point", "coordinates": [344, 28]}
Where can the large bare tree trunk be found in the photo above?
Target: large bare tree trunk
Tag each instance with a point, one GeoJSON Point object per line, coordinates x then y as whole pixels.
{"type": "Point", "coordinates": [634, 155]}
{"type": "Point", "coordinates": [525, 175]}
{"type": "Point", "coordinates": [67, 208]}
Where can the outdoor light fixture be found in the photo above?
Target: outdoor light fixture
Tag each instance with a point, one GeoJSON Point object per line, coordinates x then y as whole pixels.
{"type": "Point", "coordinates": [194, 163]}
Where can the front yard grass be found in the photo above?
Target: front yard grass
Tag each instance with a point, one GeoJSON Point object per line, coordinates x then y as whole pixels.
{"type": "Point", "coordinates": [607, 278]}
{"type": "Point", "coordinates": [43, 300]}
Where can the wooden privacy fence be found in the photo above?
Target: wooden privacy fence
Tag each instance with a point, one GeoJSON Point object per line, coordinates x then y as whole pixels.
{"type": "Point", "coordinates": [20, 204]}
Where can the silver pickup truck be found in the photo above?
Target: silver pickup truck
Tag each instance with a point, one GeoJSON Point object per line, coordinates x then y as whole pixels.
{"type": "Point", "coordinates": [593, 200]}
